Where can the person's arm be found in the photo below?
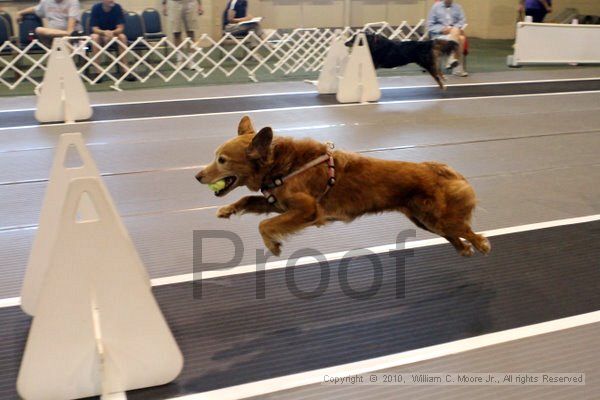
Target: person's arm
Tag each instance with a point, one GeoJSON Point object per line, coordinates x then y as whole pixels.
{"type": "Point", "coordinates": [164, 4]}
{"type": "Point", "coordinates": [232, 20]}
{"type": "Point", "coordinates": [546, 5]}
{"type": "Point", "coordinates": [433, 24]}
{"type": "Point", "coordinates": [119, 29]}
{"type": "Point", "coordinates": [71, 25]}
{"type": "Point", "coordinates": [28, 10]}
{"type": "Point", "coordinates": [120, 22]}
{"type": "Point", "coordinates": [231, 13]}
{"type": "Point", "coordinates": [200, 9]}
{"type": "Point", "coordinates": [462, 19]}
{"type": "Point", "coordinates": [94, 22]}
{"type": "Point", "coordinates": [74, 16]}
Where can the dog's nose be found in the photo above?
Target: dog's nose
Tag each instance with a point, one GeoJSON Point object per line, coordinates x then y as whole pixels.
{"type": "Point", "coordinates": [199, 176]}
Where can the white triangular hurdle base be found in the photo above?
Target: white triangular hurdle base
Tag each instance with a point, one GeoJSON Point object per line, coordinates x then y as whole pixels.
{"type": "Point", "coordinates": [63, 97]}
{"type": "Point", "coordinates": [358, 83]}
{"type": "Point", "coordinates": [97, 329]}
{"type": "Point", "coordinates": [60, 177]}
{"type": "Point", "coordinates": [333, 65]}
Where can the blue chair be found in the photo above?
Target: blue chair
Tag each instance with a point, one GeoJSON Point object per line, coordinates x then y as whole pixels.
{"type": "Point", "coordinates": [152, 25]}
{"type": "Point", "coordinates": [27, 28]}
{"type": "Point", "coordinates": [5, 36]}
{"type": "Point", "coordinates": [134, 28]}
{"type": "Point", "coordinates": [86, 16]}
{"type": "Point", "coordinates": [8, 18]}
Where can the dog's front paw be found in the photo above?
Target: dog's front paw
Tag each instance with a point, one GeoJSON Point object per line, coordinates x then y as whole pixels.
{"type": "Point", "coordinates": [226, 211]}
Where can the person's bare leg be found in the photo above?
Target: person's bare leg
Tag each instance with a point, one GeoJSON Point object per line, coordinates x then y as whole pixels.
{"type": "Point", "coordinates": [177, 42]}
{"type": "Point", "coordinates": [121, 49]}
{"type": "Point", "coordinates": [461, 51]}
{"type": "Point", "coordinates": [457, 36]}
{"type": "Point", "coordinates": [95, 50]}
{"type": "Point", "coordinates": [190, 48]}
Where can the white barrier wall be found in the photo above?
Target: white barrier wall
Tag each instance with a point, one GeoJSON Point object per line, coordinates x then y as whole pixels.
{"type": "Point", "coordinates": [556, 44]}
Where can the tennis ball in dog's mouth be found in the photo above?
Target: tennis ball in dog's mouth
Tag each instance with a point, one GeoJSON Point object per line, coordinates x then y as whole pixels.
{"type": "Point", "coordinates": [218, 185]}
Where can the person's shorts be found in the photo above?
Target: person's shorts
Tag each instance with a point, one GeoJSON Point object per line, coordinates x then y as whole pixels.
{"type": "Point", "coordinates": [104, 40]}
{"type": "Point", "coordinates": [183, 15]}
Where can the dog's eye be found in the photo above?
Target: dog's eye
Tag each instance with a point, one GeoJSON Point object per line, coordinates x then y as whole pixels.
{"type": "Point", "coordinates": [221, 160]}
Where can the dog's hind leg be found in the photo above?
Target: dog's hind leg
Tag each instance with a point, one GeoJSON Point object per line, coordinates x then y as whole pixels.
{"type": "Point", "coordinates": [464, 249]}
{"type": "Point", "coordinates": [481, 243]}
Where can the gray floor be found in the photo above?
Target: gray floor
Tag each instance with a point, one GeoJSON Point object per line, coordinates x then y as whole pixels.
{"type": "Point", "coordinates": [530, 159]}
{"type": "Point", "coordinates": [573, 351]}
{"type": "Point", "coordinates": [521, 154]}
{"type": "Point", "coordinates": [109, 97]}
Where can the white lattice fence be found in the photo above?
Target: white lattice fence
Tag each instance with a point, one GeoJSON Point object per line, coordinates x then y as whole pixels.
{"type": "Point", "coordinates": [299, 50]}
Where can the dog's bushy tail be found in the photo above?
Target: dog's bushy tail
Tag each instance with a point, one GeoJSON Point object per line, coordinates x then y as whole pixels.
{"type": "Point", "coordinates": [446, 47]}
{"type": "Point", "coordinates": [458, 191]}
{"type": "Point", "coordinates": [444, 170]}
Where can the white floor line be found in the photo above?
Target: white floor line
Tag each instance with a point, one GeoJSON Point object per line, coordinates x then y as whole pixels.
{"type": "Point", "coordinates": [314, 92]}
{"type": "Point", "coordinates": [73, 124]}
{"type": "Point", "coordinates": [245, 269]}
{"type": "Point", "coordinates": [251, 268]}
{"type": "Point", "coordinates": [10, 302]}
{"type": "Point", "coordinates": [263, 387]}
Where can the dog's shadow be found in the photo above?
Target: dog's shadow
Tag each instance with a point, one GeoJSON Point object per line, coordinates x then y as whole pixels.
{"type": "Point", "coordinates": [334, 329]}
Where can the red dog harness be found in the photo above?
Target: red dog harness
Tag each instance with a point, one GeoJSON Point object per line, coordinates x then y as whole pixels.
{"type": "Point", "coordinates": [267, 189]}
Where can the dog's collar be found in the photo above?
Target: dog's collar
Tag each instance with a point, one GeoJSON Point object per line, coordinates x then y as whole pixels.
{"type": "Point", "coordinates": [267, 188]}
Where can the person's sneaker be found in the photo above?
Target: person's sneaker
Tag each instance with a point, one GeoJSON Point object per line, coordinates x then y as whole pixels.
{"type": "Point", "coordinates": [460, 73]}
{"type": "Point", "coordinates": [130, 78]}
{"type": "Point", "coordinates": [451, 62]}
{"type": "Point", "coordinates": [194, 67]}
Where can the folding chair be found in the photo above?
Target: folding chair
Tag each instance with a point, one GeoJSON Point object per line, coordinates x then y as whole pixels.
{"type": "Point", "coordinates": [27, 27]}
{"type": "Point", "coordinates": [8, 18]}
{"type": "Point", "coordinates": [6, 37]}
{"type": "Point", "coordinates": [134, 29]}
{"type": "Point", "coordinates": [152, 25]}
{"type": "Point", "coordinates": [86, 17]}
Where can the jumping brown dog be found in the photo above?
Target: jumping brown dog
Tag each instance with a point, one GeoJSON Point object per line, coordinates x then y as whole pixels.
{"type": "Point", "coordinates": [432, 195]}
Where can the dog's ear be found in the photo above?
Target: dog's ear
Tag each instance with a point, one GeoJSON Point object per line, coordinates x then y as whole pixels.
{"type": "Point", "coordinates": [245, 127]}
{"type": "Point", "coordinates": [260, 146]}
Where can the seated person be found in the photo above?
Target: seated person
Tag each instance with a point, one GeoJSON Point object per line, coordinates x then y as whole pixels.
{"type": "Point", "coordinates": [107, 22]}
{"type": "Point", "coordinates": [236, 12]}
{"type": "Point", "coordinates": [63, 18]}
{"type": "Point", "coordinates": [447, 19]}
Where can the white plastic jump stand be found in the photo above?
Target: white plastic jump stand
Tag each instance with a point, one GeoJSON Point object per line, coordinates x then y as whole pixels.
{"type": "Point", "coordinates": [54, 199]}
{"type": "Point", "coordinates": [574, 21]}
{"type": "Point", "coordinates": [97, 329]}
{"type": "Point", "coordinates": [62, 97]}
{"type": "Point", "coordinates": [358, 83]}
{"type": "Point", "coordinates": [334, 63]}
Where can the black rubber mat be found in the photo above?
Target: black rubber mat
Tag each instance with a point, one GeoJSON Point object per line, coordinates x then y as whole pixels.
{"type": "Point", "coordinates": [189, 107]}
{"type": "Point", "coordinates": [229, 336]}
